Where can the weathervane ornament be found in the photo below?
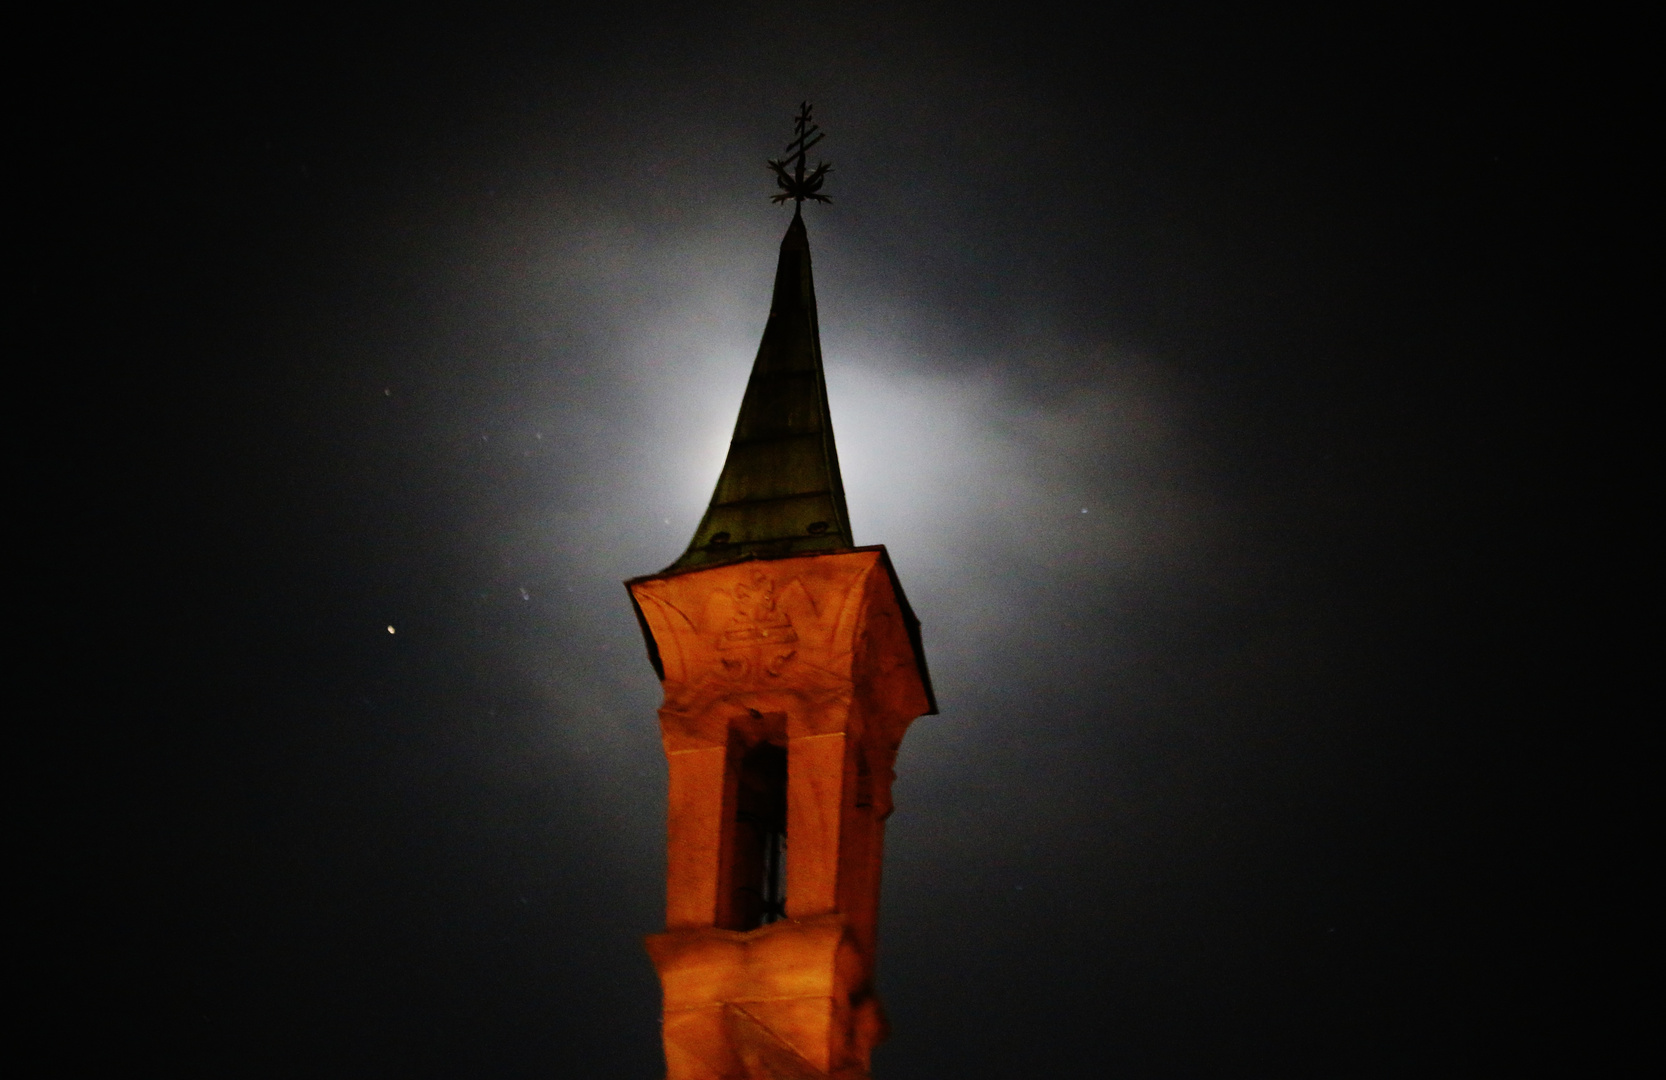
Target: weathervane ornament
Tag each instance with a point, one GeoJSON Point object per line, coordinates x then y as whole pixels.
{"type": "Point", "coordinates": [789, 171]}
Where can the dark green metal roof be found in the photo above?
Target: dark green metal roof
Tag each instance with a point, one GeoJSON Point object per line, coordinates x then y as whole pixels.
{"type": "Point", "coordinates": [780, 492]}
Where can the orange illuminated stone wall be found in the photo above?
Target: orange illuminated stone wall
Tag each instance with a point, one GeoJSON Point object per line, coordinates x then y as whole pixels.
{"type": "Point", "coordinates": [816, 654]}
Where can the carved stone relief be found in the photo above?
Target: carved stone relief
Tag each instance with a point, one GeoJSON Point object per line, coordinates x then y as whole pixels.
{"type": "Point", "coordinates": [759, 635]}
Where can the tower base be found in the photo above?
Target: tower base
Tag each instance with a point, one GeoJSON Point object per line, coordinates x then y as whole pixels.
{"type": "Point", "coordinates": [787, 1001]}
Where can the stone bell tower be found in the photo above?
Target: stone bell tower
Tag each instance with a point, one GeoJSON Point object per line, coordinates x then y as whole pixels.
{"type": "Point", "coordinates": [792, 667]}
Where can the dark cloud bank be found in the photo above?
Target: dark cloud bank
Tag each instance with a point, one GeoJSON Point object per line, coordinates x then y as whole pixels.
{"type": "Point", "coordinates": [1197, 370]}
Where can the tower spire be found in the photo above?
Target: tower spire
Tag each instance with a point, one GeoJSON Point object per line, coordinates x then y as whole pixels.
{"type": "Point", "coordinates": [780, 492]}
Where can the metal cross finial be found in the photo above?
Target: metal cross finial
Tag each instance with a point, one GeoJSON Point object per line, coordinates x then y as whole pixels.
{"type": "Point", "coordinates": [789, 171]}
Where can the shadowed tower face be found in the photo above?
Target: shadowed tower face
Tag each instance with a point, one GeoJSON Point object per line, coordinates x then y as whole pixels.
{"type": "Point", "coordinates": [792, 667]}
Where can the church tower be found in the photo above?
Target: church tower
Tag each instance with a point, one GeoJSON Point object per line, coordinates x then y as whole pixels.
{"type": "Point", "coordinates": [792, 667]}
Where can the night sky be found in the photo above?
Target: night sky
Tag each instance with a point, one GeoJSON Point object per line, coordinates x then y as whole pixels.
{"type": "Point", "coordinates": [1211, 378]}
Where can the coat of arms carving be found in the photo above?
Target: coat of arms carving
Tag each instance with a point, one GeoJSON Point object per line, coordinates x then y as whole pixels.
{"type": "Point", "coordinates": [758, 627]}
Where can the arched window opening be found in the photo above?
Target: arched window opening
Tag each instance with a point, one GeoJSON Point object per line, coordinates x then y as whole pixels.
{"type": "Point", "coordinates": [760, 847]}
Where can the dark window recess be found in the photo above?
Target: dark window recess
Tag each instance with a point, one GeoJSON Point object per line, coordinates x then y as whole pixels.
{"type": "Point", "coordinates": [760, 876]}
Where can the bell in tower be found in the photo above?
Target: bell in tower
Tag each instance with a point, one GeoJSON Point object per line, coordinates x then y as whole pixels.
{"type": "Point", "coordinates": [792, 667]}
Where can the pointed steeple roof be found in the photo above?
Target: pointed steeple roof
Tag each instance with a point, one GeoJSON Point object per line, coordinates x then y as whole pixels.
{"type": "Point", "coordinates": [780, 491]}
